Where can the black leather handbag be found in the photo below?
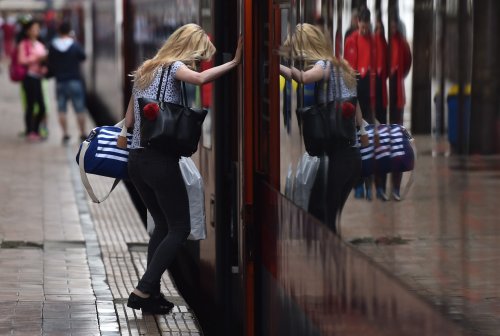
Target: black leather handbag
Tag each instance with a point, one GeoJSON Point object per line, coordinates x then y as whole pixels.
{"type": "Point", "coordinates": [326, 126]}
{"type": "Point", "coordinates": [170, 127]}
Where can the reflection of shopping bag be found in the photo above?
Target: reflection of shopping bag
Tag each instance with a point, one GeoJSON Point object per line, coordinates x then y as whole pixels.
{"type": "Point", "coordinates": [289, 183]}
{"type": "Point", "coordinates": [307, 168]}
{"type": "Point", "coordinates": [196, 195]}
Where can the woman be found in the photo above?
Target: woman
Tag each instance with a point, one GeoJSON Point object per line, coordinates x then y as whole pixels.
{"type": "Point", "coordinates": [342, 163]}
{"type": "Point", "coordinates": [33, 54]}
{"type": "Point", "coordinates": [155, 174]}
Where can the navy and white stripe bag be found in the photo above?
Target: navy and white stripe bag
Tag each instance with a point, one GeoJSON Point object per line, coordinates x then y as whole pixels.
{"type": "Point", "coordinates": [99, 155]}
{"type": "Point", "coordinates": [394, 153]}
{"type": "Point", "coordinates": [102, 156]}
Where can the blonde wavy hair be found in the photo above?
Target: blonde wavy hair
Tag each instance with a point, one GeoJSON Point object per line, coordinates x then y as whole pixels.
{"type": "Point", "coordinates": [187, 44]}
{"type": "Point", "coordinates": [308, 44]}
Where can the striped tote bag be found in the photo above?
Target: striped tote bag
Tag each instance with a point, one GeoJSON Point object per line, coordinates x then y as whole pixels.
{"type": "Point", "coordinates": [99, 155]}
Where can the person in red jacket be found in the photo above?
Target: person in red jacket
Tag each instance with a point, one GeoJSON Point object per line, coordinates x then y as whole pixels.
{"type": "Point", "coordinates": [380, 93]}
{"type": "Point", "coordinates": [380, 72]}
{"type": "Point", "coordinates": [400, 67]}
{"type": "Point", "coordinates": [366, 52]}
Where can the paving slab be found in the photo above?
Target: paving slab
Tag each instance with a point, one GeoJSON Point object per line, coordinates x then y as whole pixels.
{"type": "Point", "coordinates": [443, 240]}
{"type": "Point", "coordinates": [67, 265]}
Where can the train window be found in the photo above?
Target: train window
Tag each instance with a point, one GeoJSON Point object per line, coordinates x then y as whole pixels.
{"type": "Point", "coordinates": [351, 42]}
{"type": "Point", "coordinates": [303, 175]}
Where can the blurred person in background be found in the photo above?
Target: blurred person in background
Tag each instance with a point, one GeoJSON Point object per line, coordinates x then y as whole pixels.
{"type": "Point", "coordinates": [65, 57]}
{"type": "Point", "coordinates": [354, 24]}
{"type": "Point", "coordinates": [33, 54]}
{"type": "Point", "coordinates": [2, 21]}
{"type": "Point", "coordinates": [380, 93]}
{"type": "Point", "coordinates": [359, 52]}
{"type": "Point", "coordinates": [9, 35]}
{"type": "Point", "coordinates": [400, 65]}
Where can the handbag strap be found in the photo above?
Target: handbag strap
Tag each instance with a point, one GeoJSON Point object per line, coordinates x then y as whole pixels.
{"type": "Point", "coordinates": [161, 83]}
{"type": "Point", "coordinates": [183, 94]}
{"type": "Point", "coordinates": [85, 180]}
{"type": "Point", "coordinates": [324, 87]}
{"type": "Point", "coordinates": [183, 87]}
{"type": "Point", "coordinates": [83, 174]}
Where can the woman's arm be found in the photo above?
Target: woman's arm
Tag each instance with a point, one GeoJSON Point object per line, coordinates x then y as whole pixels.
{"type": "Point", "coordinates": [361, 123]}
{"type": "Point", "coordinates": [312, 75]}
{"type": "Point", "coordinates": [22, 55]}
{"type": "Point", "coordinates": [121, 141]}
{"type": "Point", "coordinates": [199, 78]}
{"type": "Point", "coordinates": [129, 115]}
{"type": "Point", "coordinates": [34, 55]}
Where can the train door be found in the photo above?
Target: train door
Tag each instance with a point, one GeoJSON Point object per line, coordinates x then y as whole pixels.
{"type": "Point", "coordinates": [227, 203]}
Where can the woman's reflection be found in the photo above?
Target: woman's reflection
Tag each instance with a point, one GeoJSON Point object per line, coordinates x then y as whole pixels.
{"type": "Point", "coordinates": [340, 168]}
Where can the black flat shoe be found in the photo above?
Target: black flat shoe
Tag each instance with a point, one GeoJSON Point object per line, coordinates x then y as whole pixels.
{"type": "Point", "coordinates": [163, 301]}
{"type": "Point", "coordinates": [150, 305]}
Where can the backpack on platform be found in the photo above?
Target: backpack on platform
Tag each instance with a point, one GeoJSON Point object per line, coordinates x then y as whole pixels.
{"type": "Point", "coordinates": [17, 71]}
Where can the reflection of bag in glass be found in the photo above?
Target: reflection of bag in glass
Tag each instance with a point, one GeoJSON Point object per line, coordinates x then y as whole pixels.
{"type": "Point", "coordinates": [289, 183]}
{"type": "Point", "coordinates": [393, 154]}
{"type": "Point", "coordinates": [168, 126]}
{"type": "Point", "coordinates": [307, 168]}
{"type": "Point", "coordinates": [329, 124]}
{"type": "Point", "coordinates": [325, 126]}
{"type": "Point", "coordinates": [196, 195]}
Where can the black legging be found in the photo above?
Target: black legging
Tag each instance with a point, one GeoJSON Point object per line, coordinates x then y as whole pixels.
{"type": "Point", "coordinates": [158, 180]}
{"type": "Point", "coordinates": [363, 89]}
{"type": "Point", "coordinates": [396, 117]}
{"type": "Point", "coordinates": [343, 168]}
{"type": "Point", "coordinates": [34, 95]}
{"type": "Point", "coordinates": [380, 109]}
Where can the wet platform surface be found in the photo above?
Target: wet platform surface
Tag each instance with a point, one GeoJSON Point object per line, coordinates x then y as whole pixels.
{"type": "Point", "coordinates": [443, 240]}
{"type": "Point", "coordinates": [67, 265]}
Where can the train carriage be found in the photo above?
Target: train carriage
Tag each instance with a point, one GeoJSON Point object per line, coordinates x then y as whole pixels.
{"type": "Point", "coordinates": [267, 267]}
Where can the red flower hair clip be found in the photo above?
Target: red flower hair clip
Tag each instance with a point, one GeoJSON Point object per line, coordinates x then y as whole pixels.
{"type": "Point", "coordinates": [151, 111]}
{"type": "Point", "coordinates": [348, 109]}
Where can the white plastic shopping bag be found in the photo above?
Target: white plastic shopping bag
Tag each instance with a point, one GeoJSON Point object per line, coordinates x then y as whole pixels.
{"type": "Point", "coordinates": [196, 195]}
{"type": "Point", "coordinates": [307, 169]}
{"type": "Point", "coordinates": [289, 183]}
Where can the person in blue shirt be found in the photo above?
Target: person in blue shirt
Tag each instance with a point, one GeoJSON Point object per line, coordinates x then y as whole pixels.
{"type": "Point", "coordinates": [65, 57]}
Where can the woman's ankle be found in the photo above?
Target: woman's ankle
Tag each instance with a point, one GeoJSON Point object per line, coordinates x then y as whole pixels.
{"type": "Point", "coordinates": [140, 293]}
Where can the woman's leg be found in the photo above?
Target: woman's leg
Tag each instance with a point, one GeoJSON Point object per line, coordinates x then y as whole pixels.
{"type": "Point", "coordinates": [344, 169]}
{"type": "Point", "coordinates": [29, 87]}
{"type": "Point", "coordinates": [40, 101]}
{"type": "Point", "coordinates": [163, 177]}
{"type": "Point", "coordinates": [395, 117]}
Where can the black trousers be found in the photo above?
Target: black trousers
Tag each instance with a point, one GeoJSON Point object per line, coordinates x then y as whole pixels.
{"type": "Point", "coordinates": [158, 180]}
{"type": "Point", "coordinates": [380, 110]}
{"type": "Point", "coordinates": [34, 95]}
{"type": "Point", "coordinates": [363, 88]}
{"type": "Point", "coordinates": [396, 117]}
{"type": "Point", "coordinates": [337, 174]}
{"type": "Point", "coordinates": [396, 114]}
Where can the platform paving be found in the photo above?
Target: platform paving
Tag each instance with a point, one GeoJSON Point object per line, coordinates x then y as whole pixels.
{"type": "Point", "coordinates": [67, 265]}
{"type": "Point", "coordinates": [443, 240]}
